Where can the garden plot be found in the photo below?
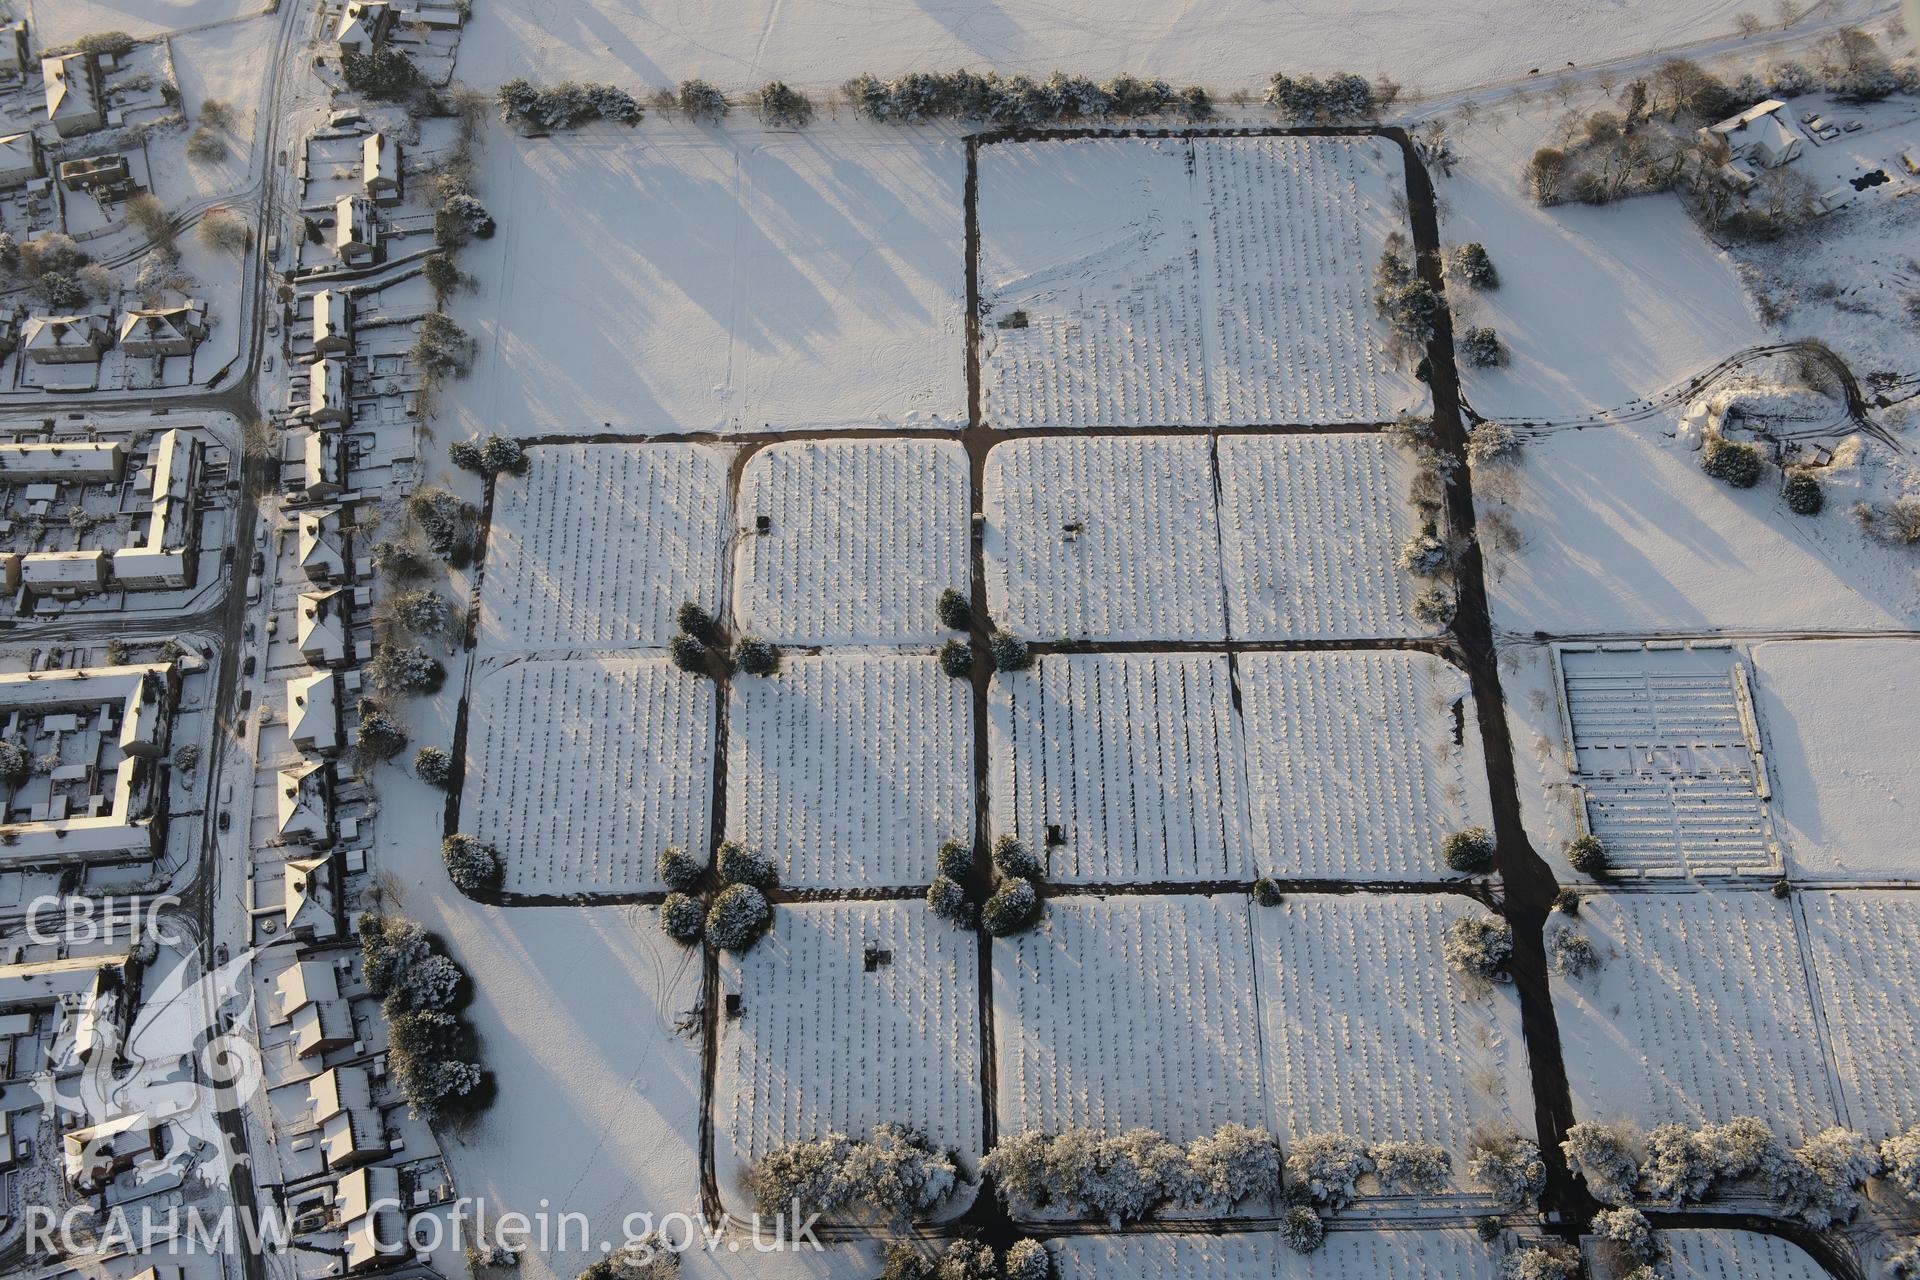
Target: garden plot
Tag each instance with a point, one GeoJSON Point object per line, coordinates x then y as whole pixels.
{"type": "Point", "coordinates": [1866, 971]}
{"type": "Point", "coordinates": [1164, 281]}
{"type": "Point", "coordinates": [849, 1014]}
{"type": "Point", "coordinates": [850, 771]}
{"type": "Point", "coordinates": [1668, 761]}
{"type": "Point", "coordinates": [1311, 531]}
{"type": "Point", "coordinates": [1114, 1013]}
{"type": "Point", "coordinates": [1837, 718]}
{"type": "Point", "coordinates": [1359, 764]}
{"type": "Point", "coordinates": [850, 542]}
{"type": "Point", "coordinates": [1735, 1255]}
{"type": "Point", "coordinates": [1121, 768]}
{"type": "Point", "coordinates": [582, 771]}
{"type": "Point", "coordinates": [1105, 539]}
{"type": "Point", "coordinates": [1675, 964]}
{"type": "Point", "coordinates": [1373, 1253]}
{"type": "Point", "coordinates": [1366, 1030]}
{"type": "Point", "coordinates": [596, 545]}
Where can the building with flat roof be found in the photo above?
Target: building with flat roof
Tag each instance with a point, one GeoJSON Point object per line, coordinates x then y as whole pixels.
{"type": "Point", "coordinates": [62, 461]}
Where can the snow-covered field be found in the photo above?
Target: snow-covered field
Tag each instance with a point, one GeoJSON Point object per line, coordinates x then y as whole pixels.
{"type": "Point", "coordinates": [706, 280]}
{"type": "Point", "coordinates": [1367, 1031]}
{"type": "Point", "coordinates": [1129, 1011]}
{"type": "Point", "coordinates": [1166, 282]}
{"type": "Point", "coordinates": [1229, 44]}
{"type": "Point", "coordinates": [1736, 1255]}
{"type": "Point", "coordinates": [57, 22]}
{"type": "Point", "coordinates": [1109, 539]}
{"type": "Point", "coordinates": [1701, 1011]}
{"type": "Point", "coordinates": [1865, 969]}
{"type": "Point", "coordinates": [1359, 764]}
{"type": "Point", "coordinates": [582, 771]}
{"type": "Point", "coordinates": [1347, 1255]}
{"type": "Point", "coordinates": [1667, 758]}
{"type": "Point", "coordinates": [597, 545]}
{"type": "Point", "coordinates": [861, 537]}
{"type": "Point", "coordinates": [1310, 529]}
{"type": "Point", "coordinates": [849, 770]}
{"type": "Point", "coordinates": [1838, 720]}
{"type": "Point", "coordinates": [1623, 534]}
{"type": "Point", "coordinates": [850, 1014]}
{"type": "Point", "coordinates": [1121, 768]}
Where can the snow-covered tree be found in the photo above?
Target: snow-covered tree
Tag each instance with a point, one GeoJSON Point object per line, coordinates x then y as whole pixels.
{"type": "Point", "coordinates": [742, 864]}
{"type": "Point", "coordinates": [433, 983]}
{"type": "Point", "coordinates": [1326, 1168]}
{"type": "Point", "coordinates": [1232, 1165]}
{"type": "Point", "coordinates": [433, 766]}
{"type": "Point", "coordinates": [389, 946]}
{"type": "Point", "coordinates": [954, 859]}
{"type": "Point", "coordinates": [812, 1175]}
{"type": "Point", "coordinates": [1130, 1174]}
{"type": "Point", "coordinates": [1013, 906]}
{"type": "Point", "coordinates": [1508, 1167]}
{"type": "Point", "coordinates": [1012, 859]}
{"type": "Point", "coordinates": [1540, 1264]}
{"type": "Point", "coordinates": [1411, 1168]}
{"type": "Point", "coordinates": [1020, 1165]}
{"type": "Point", "coordinates": [1302, 1229]}
{"type": "Point", "coordinates": [967, 1260]}
{"type": "Point", "coordinates": [1469, 851]}
{"type": "Point", "coordinates": [1424, 555]}
{"type": "Point", "coordinates": [1628, 1232]}
{"type": "Point", "coordinates": [1901, 1156]}
{"type": "Point", "coordinates": [1478, 947]}
{"type": "Point", "coordinates": [1481, 348]}
{"type": "Point", "coordinates": [784, 107]}
{"type": "Point", "coordinates": [1588, 856]}
{"type": "Point", "coordinates": [683, 917]}
{"type": "Point", "coordinates": [1491, 442]}
{"type": "Point", "coordinates": [679, 869]}
{"type": "Point", "coordinates": [738, 916]}
{"type": "Point", "coordinates": [1597, 1153]}
{"type": "Point", "coordinates": [1746, 1147]}
{"type": "Point", "coordinates": [1823, 1183]}
{"type": "Point", "coordinates": [1472, 263]}
{"type": "Point", "coordinates": [947, 899]}
{"type": "Point", "coordinates": [756, 657]}
{"type": "Point", "coordinates": [1026, 1260]}
{"type": "Point", "coordinates": [896, 1172]}
{"type": "Point", "coordinates": [422, 612]}
{"type": "Point", "coordinates": [1009, 652]}
{"type": "Point", "coordinates": [1680, 1167]}
{"type": "Point", "coordinates": [956, 659]}
{"type": "Point", "coordinates": [405, 668]}
{"type": "Point", "coordinates": [1435, 607]}
{"type": "Point", "coordinates": [700, 101]}
{"type": "Point", "coordinates": [1571, 953]}
{"type": "Point", "coordinates": [473, 865]}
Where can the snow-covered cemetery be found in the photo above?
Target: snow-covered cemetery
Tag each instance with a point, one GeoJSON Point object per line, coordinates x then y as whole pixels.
{"type": "Point", "coordinates": [959, 640]}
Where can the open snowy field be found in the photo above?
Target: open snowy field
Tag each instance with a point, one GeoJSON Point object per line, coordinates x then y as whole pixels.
{"type": "Point", "coordinates": [1837, 717]}
{"type": "Point", "coordinates": [850, 541]}
{"type": "Point", "coordinates": [597, 545]}
{"type": "Point", "coordinates": [580, 772]}
{"type": "Point", "coordinates": [1367, 1031]}
{"type": "Point", "coordinates": [1167, 281]}
{"type": "Point", "coordinates": [850, 770]}
{"type": "Point", "coordinates": [1359, 764]}
{"type": "Point", "coordinates": [1108, 539]}
{"type": "Point", "coordinates": [1865, 970]}
{"type": "Point", "coordinates": [758, 280]}
{"type": "Point", "coordinates": [1121, 768]}
{"type": "Point", "coordinates": [58, 22]}
{"type": "Point", "coordinates": [1623, 534]}
{"type": "Point", "coordinates": [1311, 528]}
{"type": "Point", "coordinates": [1228, 44]}
{"type": "Point", "coordinates": [1127, 1011]}
{"type": "Point", "coordinates": [850, 1014]}
{"type": "Point", "coordinates": [1735, 1255]}
{"type": "Point", "coordinates": [1347, 1255]}
{"type": "Point", "coordinates": [1723, 964]}
{"type": "Point", "coordinates": [1667, 759]}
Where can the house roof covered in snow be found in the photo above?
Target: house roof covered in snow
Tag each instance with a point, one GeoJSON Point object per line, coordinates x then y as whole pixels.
{"type": "Point", "coordinates": [320, 542]}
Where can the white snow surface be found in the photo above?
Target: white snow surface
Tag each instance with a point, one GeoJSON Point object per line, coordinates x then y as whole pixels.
{"type": "Point", "coordinates": [598, 544]}
{"type": "Point", "coordinates": [582, 771]}
{"type": "Point", "coordinates": [761, 280]}
{"type": "Point", "coordinates": [863, 537]}
{"type": "Point", "coordinates": [57, 22]}
{"type": "Point", "coordinates": [849, 770]}
{"type": "Point", "coordinates": [1865, 968]}
{"type": "Point", "coordinates": [1735, 1255]}
{"type": "Point", "coordinates": [1225, 43]}
{"type": "Point", "coordinates": [1837, 717]}
{"type": "Point", "coordinates": [1677, 967]}
{"type": "Point", "coordinates": [1375, 1254]}
{"type": "Point", "coordinates": [823, 1043]}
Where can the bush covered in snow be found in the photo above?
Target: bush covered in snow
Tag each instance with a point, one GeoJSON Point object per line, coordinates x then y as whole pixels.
{"type": "Point", "coordinates": [1492, 442]}
{"type": "Point", "coordinates": [1538, 1263]}
{"type": "Point", "coordinates": [1267, 893]}
{"type": "Point", "coordinates": [1679, 1167]}
{"type": "Point", "coordinates": [783, 107]}
{"type": "Point", "coordinates": [1588, 856]}
{"type": "Point", "coordinates": [695, 621]}
{"type": "Point", "coordinates": [1597, 1153]}
{"type": "Point", "coordinates": [954, 859]}
{"type": "Point", "coordinates": [683, 917]}
{"type": "Point", "coordinates": [952, 610]}
{"type": "Point", "coordinates": [756, 657]}
{"type": "Point", "coordinates": [389, 947]}
{"type": "Point", "coordinates": [1803, 493]}
{"type": "Point", "coordinates": [741, 864]}
{"type": "Point", "coordinates": [966, 1260]}
{"type": "Point", "coordinates": [1628, 1233]}
{"type": "Point", "coordinates": [429, 1048]}
{"type": "Point", "coordinates": [1301, 1229]}
{"type": "Point", "coordinates": [737, 918]}
{"type": "Point", "coordinates": [956, 659]}
{"type": "Point", "coordinates": [405, 668]}
{"type": "Point", "coordinates": [1019, 102]}
{"type": "Point", "coordinates": [1013, 906]}
{"type": "Point", "coordinates": [1901, 1156]}
{"type": "Point", "coordinates": [1131, 1174]}
{"type": "Point", "coordinates": [1411, 1168]}
{"type": "Point", "coordinates": [679, 869]}
{"type": "Point", "coordinates": [1508, 1167]}
{"type": "Point", "coordinates": [381, 735]}
{"type": "Point", "coordinates": [1230, 1166]}
{"type": "Point", "coordinates": [1469, 851]}
{"type": "Point", "coordinates": [700, 101]}
{"type": "Point", "coordinates": [804, 1177]}
{"type": "Point", "coordinates": [1481, 348]}
{"type": "Point", "coordinates": [1341, 96]}
{"type": "Point", "coordinates": [1424, 555]}
{"type": "Point", "coordinates": [1026, 1260]}
{"type": "Point", "coordinates": [564, 106]}
{"type": "Point", "coordinates": [1822, 1184]}
{"type": "Point", "coordinates": [1009, 653]}
{"type": "Point", "coordinates": [1571, 954]}
{"type": "Point", "coordinates": [473, 866]}
{"type": "Point", "coordinates": [433, 766]}
{"type": "Point", "coordinates": [1745, 1147]}
{"type": "Point", "coordinates": [1472, 263]}
{"type": "Point", "coordinates": [688, 654]}
{"type": "Point", "coordinates": [1435, 606]}
{"type": "Point", "coordinates": [1478, 948]}
{"type": "Point", "coordinates": [1326, 1168]}
{"type": "Point", "coordinates": [1012, 859]}
{"type": "Point", "coordinates": [896, 1172]}
{"type": "Point", "coordinates": [1405, 301]}
{"type": "Point", "coordinates": [1731, 462]}
{"type": "Point", "coordinates": [947, 899]}
{"type": "Point", "coordinates": [423, 613]}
